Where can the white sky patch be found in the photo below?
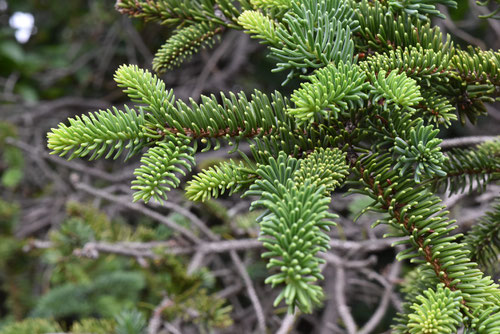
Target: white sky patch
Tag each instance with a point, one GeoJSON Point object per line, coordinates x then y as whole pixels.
{"type": "Point", "coordinates": [23, 23]}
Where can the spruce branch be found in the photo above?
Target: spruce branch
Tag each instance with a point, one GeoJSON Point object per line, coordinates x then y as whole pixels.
{"type": "Point", "coordinates": [297, 215]}
{"type": "Point", "coordinates": [483, 240]}
{"type": "Point", "coordinates": [327, 40]}
{"type": "Point", "coordinates": [478, 67]}
{"type": "Point", "coordinates": [470, 168]}
{"type": "Point", "coordinates": [170, 12]}
{"type": "Point", "coordinates": [101, 133]}
{"type": "Point", "coordinates": [184, 43]}
{"type": "Point", "coordinates": [381, 32]}
{"type": "Point", "coordinates": [420, 8]}
{"type": "Point", "coordinates": [260, 26]}
{"type": "Point", "coordinates": [414, 212]}
{"type": "Point", "coordinates": [179, 13]}
{"type": "Point", "coordinates": [292, 235]}
{"type": "Point", "coordinates": [378, 79]}
{"type": "Point", "coordinates": [234, 119]}
{"type": "Point", "coordinates": [437, 108]}
{"type": "Point", "coordinates": [427, 66]}
{"type": "Point", "coordinates": [157, 174]}
{"type": "Point", "coordinates": [214, 181]}
{"type": "Point", "coordinates": [328, 92]}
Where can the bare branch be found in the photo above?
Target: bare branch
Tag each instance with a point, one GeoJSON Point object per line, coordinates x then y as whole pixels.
{"type": "Point", "coordinates": [261, 320]}
{"type": "Point", "coordinates": [465, 141]}
{"type": "Point", "coordinates": [337, 261]}
{"type": "Point", "coordinates": [144, 249]}
{"type": "Point", "coordinates": [189, 215]}
{"type": "Point", "coordinates": [384, 303]}
{"type": "Point", "coordinates": [287, 324]}
{"type": "Point", "coordinates": [365, 245]}
{"type": "Point", "coordinates": [34, 152]}
{"type": "Point", "coordinates": [140, 208]}
{"type": "Point", "coordinates": [451, 26]}
{"type": "Point", "coordinates": [343, 309]}
{"type": "Point", "coordinates": [155, 321]}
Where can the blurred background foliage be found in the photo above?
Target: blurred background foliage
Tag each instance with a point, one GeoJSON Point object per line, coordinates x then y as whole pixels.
{"type": "Point", "coordinates": [65, 68]}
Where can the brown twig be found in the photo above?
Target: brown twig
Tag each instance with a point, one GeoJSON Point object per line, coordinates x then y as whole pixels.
{"type": "Point", "coordinates": [261, 320]}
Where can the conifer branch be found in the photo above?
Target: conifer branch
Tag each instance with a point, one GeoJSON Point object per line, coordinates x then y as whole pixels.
{"type": "Point", "coordinates": [378, 80]}
{"type": "Point", "coordinates": [483, 241]}
{"type": "Point", "coordinates": [165, 12]}
{"type": "Point", "coordinates": [468, 168]}
{"type": "Point", "coordinates": [417, 214]}
{"type": "Point", "coordinates": [100, 133]}
{"type": "Point", "coordinates": [184, 43]}
{"type": "Point", "coordinates": [157, 174]}
{"type": "Point", "coordinates": [214, 181]}
{"type": "Point", "coordinates": [297, 216]}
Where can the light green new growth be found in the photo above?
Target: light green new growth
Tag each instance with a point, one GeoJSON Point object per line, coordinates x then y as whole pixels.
{"type": "Point", "coordinates": [331, 90]}
{"type": "Point", "coordinates": [214, 181]}
{"type": "Point", "coordinates": [271, 5]}
{"type": "Point", "coordinates": [104, 132]}
{"type": "Point", "coordinates": [157, 174]}
{"type": "Point", "coordinates": [437, 312]}
{"type": "Point", "coordinates": [259, 25]}
{"type": "Point", "coordinates": [396, 89]}
{"type": "Point", "coordinates": [323, 167]}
